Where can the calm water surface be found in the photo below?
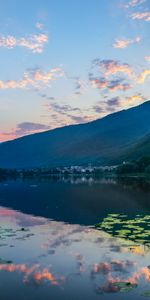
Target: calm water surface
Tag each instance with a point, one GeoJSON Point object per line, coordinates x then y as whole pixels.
{"type": "Point", "coordinates": [51, 249]}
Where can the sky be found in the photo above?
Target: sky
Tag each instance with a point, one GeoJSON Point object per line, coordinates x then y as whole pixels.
{"type": "Point", "coordinates": [70, 61]}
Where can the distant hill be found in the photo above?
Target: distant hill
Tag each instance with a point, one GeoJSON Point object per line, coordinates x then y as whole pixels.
{"type": "Point", "coordinates": [121, 135]}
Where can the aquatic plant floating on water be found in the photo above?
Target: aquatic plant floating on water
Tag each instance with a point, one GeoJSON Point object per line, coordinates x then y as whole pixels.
{"type": "Point", "coordinates": [134, 229]}
{"type": "Point", "coordinates": [124, 286]}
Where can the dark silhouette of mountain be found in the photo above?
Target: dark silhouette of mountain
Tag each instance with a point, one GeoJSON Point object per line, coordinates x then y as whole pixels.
{"type": "Point", "coordinates": [104, 141]}
{"type": "Point", "coordinates": [139, 149]}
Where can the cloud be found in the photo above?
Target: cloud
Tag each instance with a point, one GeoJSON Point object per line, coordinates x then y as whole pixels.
{"type": "Point", "coordinates": [39, 25]}
{"type": "Point", "coordinates": [103, 267]}
{"type": "Point", "coordinates": [22, 220]}
{"type": "Point", "coordinates": [124, 43]}
{"type": "Point", "coordinates": [98, 108]}
{"type": "Point", "coordinates": [8, 41]}
{"type": "Point", "coordinates": [79, 86]}
{"type": "Point", "coordinates": [134, 3]}
{"type": "Point", "coordinates": [33, 78]}
{"type": "Point", "coordinates": [126, 101]}
{"type": "Point", "coordinates": [67, 111]}
{"type": "Point", "coordinates": [45, 274]}
{"type": "Point", "coordinates": [112, 67]}
{"type": "Point", "coordinates": [114, 76]}
{"type": "Point", "coordinates": [29, 127]}
{"type": "Point", "coordinates": [98, 82]}
{"type": "Point", "coordinates": [22, 268]}
{"type": "Point", "coordinates": [147, 58]}
{"type": "Point", "coordinates": [143, 76]}
{"type": "Point", "coordinates": [110, 85]}
{"type": "Point", "coordinates": [141, 16]}
{"type": "Point", "coordinates": [35, 42]}
{"type": "Point", "coordinates": [63, 109]}
{"type": "Point", "coordinates": [138, 97]}
{"type": "Point", "coordinates": [130, 101]}
{"type": "Point", "coordinates": [22, 129]}
{"type": "Point", "coordinates": [117, 103]}
{"type": "Point", "coordinates": [118, 84]}
{"type": "Point", "coordinates": [4, 136]}
{"type": "Point", "coordinates": [79, 119]}
{"type": "Point", "coordinates": [143, 272]}
{"type": "Point", "coordinates": [45, 96]}
{"type": "Point", "coordinates": [66, 114]}
{"type": "Point", "coordinates": [32, 273]}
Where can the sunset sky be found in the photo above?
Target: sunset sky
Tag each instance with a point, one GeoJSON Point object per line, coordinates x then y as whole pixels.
{"type": "Point", "coordinates": [70, 61]}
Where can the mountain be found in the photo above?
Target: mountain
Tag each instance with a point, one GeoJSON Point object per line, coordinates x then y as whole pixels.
{"type": "Point", "coordinates": [104, 141]}
{"type": "Point", "coordinates": [139, 149]}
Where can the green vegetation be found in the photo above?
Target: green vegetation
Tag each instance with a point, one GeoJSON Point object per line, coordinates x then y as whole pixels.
{"type": "Point", "coordinates": [7, 173]}
{"type": "Point", "coordinates": [76, 171]}
{"type": "Point", "coordinates": [140, 166]}
{"type": "Point", "coordinates": [134, 229]}
{"type": "Point", "coordinates": [124, 286]}
{"type": "Point", "coordinates": [136, 167]}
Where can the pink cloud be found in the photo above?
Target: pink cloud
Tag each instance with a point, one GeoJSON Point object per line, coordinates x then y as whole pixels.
{"type": "Point", "coordinates": [141, 16]}
{"type": "Point", "coordinates": [32, 272]}
{"type": "Point", "coordinates": [110, 85]}
{"type": "Point", "coordinates": [4, 136]}
{"type": "Point", "coordinates": [45, 274]}
{"type": "Point", "coordinates": [124, 43]}
{"type": "Point", "coordinates": [134, 3]}
{"type": "Point", "coordinates": [112, 67]}
{"type": "Point", "coordinates": [147, 58]}
{"type": "Point", "coordinates": [22, 129]}
{"type": "Point", "coordinates": [33, 78]}
{"type": "Point", "coordinates": [35, 42]}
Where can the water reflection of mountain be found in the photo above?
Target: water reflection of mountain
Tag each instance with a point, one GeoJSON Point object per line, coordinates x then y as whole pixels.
{"type": "Point", "coordinates": [82, 203]}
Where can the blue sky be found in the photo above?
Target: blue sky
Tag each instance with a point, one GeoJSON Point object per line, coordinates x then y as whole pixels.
{"type": "Point", "coordinates": [66, 61]}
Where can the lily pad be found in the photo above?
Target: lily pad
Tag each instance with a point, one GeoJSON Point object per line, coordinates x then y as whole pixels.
{"type": "Point", "coordinates": [124, 286]}
{"type": "Point", "coordinates": [133, 229]}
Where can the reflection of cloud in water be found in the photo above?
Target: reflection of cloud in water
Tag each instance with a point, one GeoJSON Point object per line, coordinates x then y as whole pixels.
{"type": "Point", "coordinates": [20, 218]}
{"type": "Point", "coordinates": [118, 272]}
{"type": "Point", "coordinates": [67, 255]}
{"type": "Point", "coordinates": [32, 272]}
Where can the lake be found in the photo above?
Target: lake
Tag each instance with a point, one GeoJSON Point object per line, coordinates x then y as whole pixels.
{"type": "Point", "coordinates": [69, 238]}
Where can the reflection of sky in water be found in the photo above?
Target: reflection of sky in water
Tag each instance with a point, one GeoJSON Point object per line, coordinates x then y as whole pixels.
{"type": "Point", "coordinates": [52, 260]}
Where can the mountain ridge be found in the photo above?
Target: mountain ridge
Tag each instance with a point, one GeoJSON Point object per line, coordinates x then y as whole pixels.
{"type": "Point", "coordinates": [102, 141]}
